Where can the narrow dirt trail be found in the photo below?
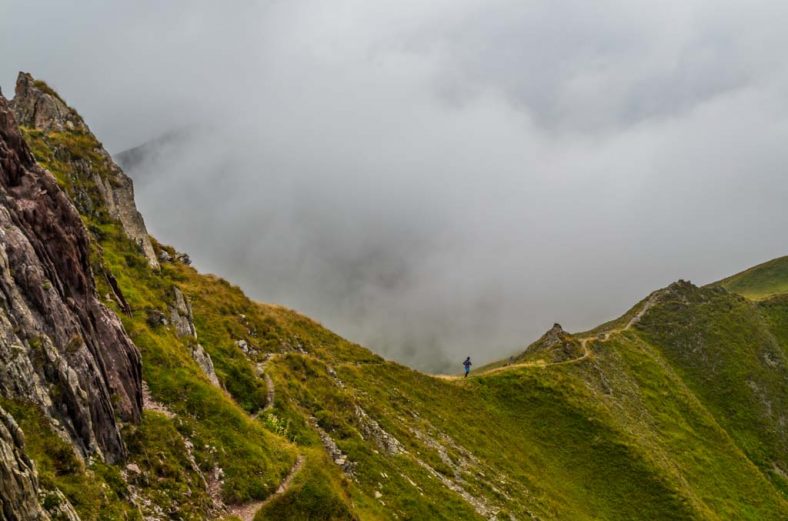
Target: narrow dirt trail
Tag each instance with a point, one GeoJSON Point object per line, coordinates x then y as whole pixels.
{"type": "Point", "coordinates": [269, 384]}
{"type": "Point", "coordinates": [248, 511]}
{"type": "Point", "coordinates": [602, 337]}
{"type": "Point", "coordinates": [270, 392]}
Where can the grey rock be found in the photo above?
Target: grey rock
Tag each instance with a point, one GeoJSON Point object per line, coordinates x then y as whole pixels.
{"type": "Point", "coordinates": [19, 489]}
{"type": "Point", "coordinates": [333, 450]}
{"type": "Point", "coordinates": [247, 349]}
{"type": "Point", "coordinates": [372, 430]}
{"type": "Point", "coordinates": [58, 506]}
{"type": "Point", "coordinates": [203, 359]}
{"type": "Point", "coordinates": [37, 106]}
{"type": "Point", "coordinates": [181, 315]}
{"type": "Point", "coordinates": [118, 195]}
{"type": "Point", "coordinates": [156, 318]}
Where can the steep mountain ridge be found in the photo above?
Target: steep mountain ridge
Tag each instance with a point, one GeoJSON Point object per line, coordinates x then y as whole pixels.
{"type": "Point", "coordinates": [61, 349]}
{"type": "Point", "coordinates": [673, 411]}
{"type": "Point", "coordinates": [745, 387]}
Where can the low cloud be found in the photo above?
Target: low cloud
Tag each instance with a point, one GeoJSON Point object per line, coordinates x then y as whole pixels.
{"type": "Point", "coordinates": [442, 179]}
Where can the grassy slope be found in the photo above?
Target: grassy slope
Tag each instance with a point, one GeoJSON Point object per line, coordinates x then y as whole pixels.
{"type": "Point", "coordinates": [253, 459]}
{"type": "Point", "coordinates": [725, 351]}
{"type": "Point", "coordinates": [618, 437]}
{"type": "Point", "coordinates": [636, 431]}
{"type": "Point", "coordinates": [316, 494]}
{"type": "Point", "coordinates": [761, 281]}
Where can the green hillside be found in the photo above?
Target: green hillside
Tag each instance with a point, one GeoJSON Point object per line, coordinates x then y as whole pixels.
{"type": "Point", "coordinates": [675, 411]}
{"type": "Point", "coordinates": [726, 351]}
{"type": "Point", "coordinates": [761, 281]}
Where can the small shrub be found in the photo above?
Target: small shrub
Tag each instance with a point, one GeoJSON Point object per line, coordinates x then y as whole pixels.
{"type": "Point", "coordinates": [276, 425]}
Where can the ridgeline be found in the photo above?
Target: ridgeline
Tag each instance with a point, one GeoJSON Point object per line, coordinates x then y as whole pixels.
{"type": "Point", "coordinates": [134, 387]}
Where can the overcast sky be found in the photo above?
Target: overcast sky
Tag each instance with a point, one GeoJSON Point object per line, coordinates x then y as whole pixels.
{"type": "Point", "coordinates": [436, 179]}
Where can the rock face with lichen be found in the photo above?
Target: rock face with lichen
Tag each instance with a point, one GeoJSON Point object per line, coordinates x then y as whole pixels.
{"type": "Point", "coordinates": [183, 321]}
{"type": "Point", "coordinates": [60, 348]}
{"type": "Point", "coordinates": [18, 479]}
{"type": "Point", "coordinates": [37, 106]}
{"type": "Point", "coordinates": [181, 315]}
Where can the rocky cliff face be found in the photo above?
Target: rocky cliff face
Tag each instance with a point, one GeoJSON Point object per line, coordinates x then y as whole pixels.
{"type": "Point", "coordinates": [60, 348]}
{"type": "Point", "coordinates": [18, 481]}
{"type": "Point", "coordinates": [37, 106]}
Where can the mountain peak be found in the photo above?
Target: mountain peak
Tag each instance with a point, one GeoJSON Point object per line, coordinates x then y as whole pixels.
{"type": "Point", "coordinates": [37, 105]}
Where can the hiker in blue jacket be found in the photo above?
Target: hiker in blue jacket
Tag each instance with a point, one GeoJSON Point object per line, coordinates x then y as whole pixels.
{"type": "Point", "coordinates": [467, 364]}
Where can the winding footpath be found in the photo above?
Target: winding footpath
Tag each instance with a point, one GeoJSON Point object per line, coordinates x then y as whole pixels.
{"type": "Point", "coordinates": [270, 392]}
{"type": "Point", "coordinates": [269, 384]}
{"type": "Point", "coordinates": [248, 511]}
{"type": "Point", "coordinates": [602, 337]}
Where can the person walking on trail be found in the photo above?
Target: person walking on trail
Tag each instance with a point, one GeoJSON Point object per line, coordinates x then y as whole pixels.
{"type": "Point", "coordinates": [467, 364]}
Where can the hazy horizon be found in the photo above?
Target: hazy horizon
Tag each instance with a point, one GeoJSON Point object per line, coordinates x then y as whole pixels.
{"type": "Point", "coordinates": [437, 179]}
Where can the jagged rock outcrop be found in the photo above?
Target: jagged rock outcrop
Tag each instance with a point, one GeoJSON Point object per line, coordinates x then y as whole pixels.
{"type": "Point", "coordinates": [181, 315]}
{"type": "Point", "coordinates": [60, 348]}
{"type": "Point", "coordinates": [183, 321]}
{"type": "Point", "coordinates": [18, 480]}
{"type": "Point", "coordinates": [333, 450]}
{"type": "Point", "coordinates": [556, 344]}
{"type": "Point", "coordinates": [58, 506]}
{"type": "Point", "coordinates": [37, 106]}
{"type": "Point", "coordinates": [554, 335]}
{"type": "Point", "coordinates": [203, 359]}
{"type": "Point", "coordinates": [373, 431]}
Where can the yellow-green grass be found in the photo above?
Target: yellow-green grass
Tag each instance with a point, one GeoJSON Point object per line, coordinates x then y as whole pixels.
{"type": "Point", "coordinates": [761, 281]}
{"type": "Point", "coordinates": [315, 494]}
{"type": "Point", "coordinates": [667, 420]}
{"type": "Point", "coordinates": [252, 458]}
